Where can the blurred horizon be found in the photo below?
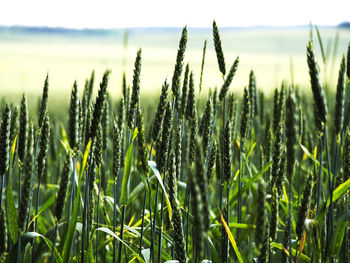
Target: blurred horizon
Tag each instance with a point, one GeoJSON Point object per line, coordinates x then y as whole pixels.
{"type": "Point", "coordinates": [341, 24]}
{"type": "Point", "coordinates": [68, 39]}
{"type": "Point", "coordinates": [275, 54]}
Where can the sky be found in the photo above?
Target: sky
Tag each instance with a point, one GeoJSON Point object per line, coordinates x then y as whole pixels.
{"type": "Point", "coordinates": [164, 13]}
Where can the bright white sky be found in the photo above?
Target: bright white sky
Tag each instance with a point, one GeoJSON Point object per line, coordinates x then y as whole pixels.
{"type": "Point", "coordinates": [172, 13]}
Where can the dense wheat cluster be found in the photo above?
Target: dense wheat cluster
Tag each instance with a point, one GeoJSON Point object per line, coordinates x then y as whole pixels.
{"type": "Point", "coordinates": [200, 177]}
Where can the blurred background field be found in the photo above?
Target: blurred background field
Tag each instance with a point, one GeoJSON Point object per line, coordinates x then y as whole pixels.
{"type": "Point", "coordinates": [275, 54]}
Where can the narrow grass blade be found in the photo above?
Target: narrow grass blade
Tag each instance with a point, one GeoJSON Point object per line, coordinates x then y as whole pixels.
{"type": "Point", "coordinates": [85, 157]}
{"type": "Point", "coordinates": [303, 257]}
{"type": "Point", "coordinates": [48, 242]}
{"type": "Point", "coordinates": [339, 191]}
{"type": "Point", "coordinates": [337, 240]}
{"type": "Point", "coordinates": [313, 158]}
{"type": "Point", "coordinates": [124, 196]}
{"type": "Point", "coordinates": [73, 220]}
{"type": "Point", "coordinates": [110, 232]}
{"type": "Point", "coordinates": [153, 166]}
{"type": "Point", "coordinates": [232, 240]}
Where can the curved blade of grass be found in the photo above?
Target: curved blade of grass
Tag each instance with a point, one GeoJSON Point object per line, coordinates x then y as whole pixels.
{"type": "Point", "coordinates": [85, 157]}
{"type": "Point", "coordinates": [241, 225]}
{"type": "Point", "coordinates": [232, 240]}
{"type": "Point", "coordinates": [65, 140]}
{"type": "Point", "coordinates": [124, 196]}
{"type": "Point", "coordinates": [313, 158]}
{"type": "Point", "coordinates": [71, 229]}
{"type": "Point", "coordinates": [13, 147]}
{"type": "Point", "coordinates": [338, 236]}
{"type": "Point", "coordinates": [321, 45]}
{"type": "Point", "coordinates": [251, 150]}
{"type": "Point", "coordinates": [302, 244]}
{"type": "Point", "coordinates": [280, 246]}
{"type": "Point", "coordinates": [44, 207]}
{"type": "Point", "coordinates": [110, 232]}
{"type": "Point", "coordinates": [48, 243]}
{"type": "Point", "coordinates": [250, 182]}
{"type": "Point", "coordinates": [73, 220]}
{"type": "Point", "coordinates": [339, 191]}
{"type": "Point", "coordinates": [154, 168]}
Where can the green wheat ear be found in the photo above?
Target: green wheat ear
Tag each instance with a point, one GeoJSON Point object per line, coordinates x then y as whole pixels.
{"type": "Point", "coordinates": [141, 141]}
{"type": "Point", "coordinates": [218, 49]}
{"type": "Point", "coordinates": [291, 136]}
{"type": "Point", "coordinates": [231, 107]}
{"type": "Point", "coordinates": [267, 140]}
{"type": "Point", "coordinates": [252, 94]}
{"type": "Point", "coordinates": [26, 187]}
{"type": "Point", "coordinates": [260, 215]}
{"type": "Point", "coordinates": [286, 235]}
{"type": "Point", "coordinates": [61, 196]}
{"type": "Point", "coordinates": [135, 96]}
{"type": "Point", "coordinates": [244, 117]}
{"type": "Point", "coordinates": [228, 79]}
{"type": "Point", "coordinates": [97, 112]}
{"type": "Point", "coordinates": [276, 111]}
{"type": "Point", "coordinates": [116, 152]}
{"type": "Point", "coordinates": [346, 155]}
{"type": "Point", "coordinates": [339, 101]}
{"type": "Point", "coordinates": [23, 129]}
{"type": "Point", "coordinates": [158, 118]}
{"type": "Point", "coordinates": [191, 99]}
{"type": "Point", "coordinates": [175, 83]}
{"type": "Point", "coordinates": [178, 236]}
{"type": "Point", "coordinates": [300, 226]}
{"type": "Point", "coordinates": [43, 102]}
{"type": "Point", "coordinates": [274, 203]}
{"type": "Point", "coordinates": [105, 124]}
{"type": "Point", "coordinates": [261, 106]}
{"type": "Point", "coordinates": [212, 161]}
{"type": "Point", "coordinates": [205, 127]}
{"type": "Point", "coordinates": [227, 151]}
{"type": "Point", "coordinates": [202, 182]}
{"type": "Point", "coordinates": [120, 118]}
{"type": "Point", "coordinates": [215, 96]}
{"type": "Point", "coordinates": [184, 91]}
{"type": "Point", "coordinates": [281, 102]}
{"type": "Point", "coordinates": [193, 136]}
{"type": "Point", "coordinates": [172, 181]}
{"type": "Point", "coordinates": [281, 173]}
{"type": "Point", "coordinates": [73, 127]}
{"type": "Point", "coordinates": [98, 147]}
{"type": "Point", "coordinates": [84, 104]}
{"type": "Point", "coordinates": [177, 145]}
{"type": "Point", "coordinates": [320, 106]}
{"type": "Point", "coordinates": [163, 150]}
{"type": "Point", "coordinates": [265, 247]}
{"type": "Point", "coordinates": [43, 147]}
{"type": "Point", "coordinates": [276, 158]}
{"type": "Point", "coordinates": [14, 123]}
{"type": "Point", "coordinates": [5, 141]}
